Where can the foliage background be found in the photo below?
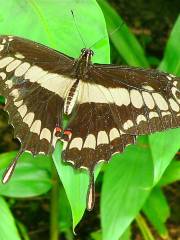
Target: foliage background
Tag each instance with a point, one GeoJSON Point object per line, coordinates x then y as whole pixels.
{"type": "Point", "coordinates": [132, 181]}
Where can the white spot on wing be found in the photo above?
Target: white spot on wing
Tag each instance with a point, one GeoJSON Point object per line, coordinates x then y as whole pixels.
{"type": "Point", "coordinates": [136, 98]}
{"type": "Point", "coordinates": [160, 101]}
{"type": "Point", "coordinates": [102, 138]}
{"type": "Point", "coordinates": [76, 143]}
{"type": "Point", "coordinates": [18, 103]}
{"type": "Point", "coordinates": [94, 93]}
{"type": "Point", "coordinates": [90, 142]}
{"type": "Point", "coordinates": [2, 75]}
{"type": "Point", "coordinates": [128, 124]}
{"type": "Point", "coordinates": [147, 87]}
{"type": "Point", "coordinates": [174, 91]}
{"type": "Point", "coordinates": [140, 118]}
{"type": "Point", "coordinates": [14, 93]}
{"type": "Point", "coordinates": [120, 96]}
{"type": "Point", "coordinates": [9, 83]}
{"type": "Point", "coordinates": [165, 113]}
{"type": "Point", "coordinates": [153, 114]}
{"type": "Point", "coordinates": [36, 127]}
{"type": "Point", "coordinates": [46, 134]}
{"type": "Point", "coordinates": [69, 161]}
{"type": "Point", "coordinates": [13, 65]}
{"type": "Point", "coordinates": [55, 83]}
{"type": "Point", "coordinates": [5, 61]}
{"type": "Point", "coordinates": [19, 55]}
{"type": "Point", "coordinates": [1, 47]}
{"type": "Point", "coordinates": [148, 100]}
{"type": "Point", "coordinates": [34, 73]}
{"type": "Point", "coordinates": [22, 110]}
{"type": "Point", "coordinates": [174, 105]}
{"type": "Point", "coordinates": [29, 118]}
{"type": "Point", "coordinates": [10, 38]}
{"type": "Point", "coordinates": [113, 134]}
{"type": "Point", "coordinates": [22, 69]}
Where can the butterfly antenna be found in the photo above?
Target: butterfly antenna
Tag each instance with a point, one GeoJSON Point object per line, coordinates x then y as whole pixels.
{"type": "Point", "coordinates": [76, 25]}
{"type": "Point", "coordinates": [110, 34]}
{"type": "Point", "coordinates": [9, 171]}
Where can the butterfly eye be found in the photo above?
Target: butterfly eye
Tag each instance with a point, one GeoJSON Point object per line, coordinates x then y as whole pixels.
{"type": "Point", "coordinates": [92, 53]}
{"type": "Point", "coordinates": [83, 50]}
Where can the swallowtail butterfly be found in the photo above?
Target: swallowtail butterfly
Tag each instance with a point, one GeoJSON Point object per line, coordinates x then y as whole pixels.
{"type": "Point", "coordinates": [108, 106]}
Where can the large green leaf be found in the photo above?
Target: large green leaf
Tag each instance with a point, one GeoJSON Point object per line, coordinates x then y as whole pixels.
{"type": "Point", "coordinates": [8, 230]}
{"type": "Point", "coordinates": [157, 210]}
{"type": "Point", "coordinates": [163, 150]}
{"type": "Point", "coordinates": [51, 22]}
{"type": "Point", "coordinates": [171, 174]}
{"type": "Point", "coordinates": [31, 177]}
{"type": "Point", "coordinates": [122, 38]}
{"type": "Point", "coordinates": [75, 183]}
{"type": "Point", "coordinates": [65, 216]}
{"type": "Point", "coordinates": [127, 183]}
{"type": "Point", "coordinates": [118, 206]}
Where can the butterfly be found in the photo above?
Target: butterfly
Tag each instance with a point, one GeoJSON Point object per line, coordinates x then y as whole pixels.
{"type": "Point", "coordinates": [107, 106]}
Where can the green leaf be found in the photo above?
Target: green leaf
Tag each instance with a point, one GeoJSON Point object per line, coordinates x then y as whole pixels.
{"type": "Point", "coordinates": [44, 22]}
{"type": "Point", "coordinates": [124, 41]}
{"type": "Point", "coordinates": [98, 235]}
{"type": "Point", "coordinates": [171, 174]}
{"type": "Point", "coordinates": [170, 62]}
{"type": "Point", "coordinates": [65, 216]}
{"type": "Point", "coordinates": [157, 210]}
{"type": "Point", "coordinates": [8, 228]}
{"type": "Point", "coordinates": [127, 183]}
{"type": "Point", "coordinates": [126, 235]}
{"type": "Point", "coordinates": [29, 179]}
{"type": "Point", "coordinates": [145, 230]}
{"type": "Point", "coordinates": [5, 158]}
{"type": "Point", "coordinates": [23, 230]}
{"type": "Point", "coordinates": [75, 183]}
{"type": "Point", "coordinates": [40, 161]}
{"type": "Point", "coordinates": [163, 150]}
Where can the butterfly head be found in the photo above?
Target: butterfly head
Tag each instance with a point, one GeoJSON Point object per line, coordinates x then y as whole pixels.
{"type": "Point", "coordinates": [86, 53]}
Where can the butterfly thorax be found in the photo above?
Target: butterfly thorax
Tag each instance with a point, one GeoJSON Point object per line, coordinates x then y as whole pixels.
{"type": "Point", "coordinates": [83, 63]}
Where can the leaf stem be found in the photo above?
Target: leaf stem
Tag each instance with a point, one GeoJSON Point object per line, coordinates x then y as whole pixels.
{"type": "Point", "coordinates": [54, 208]}
{"type": "Point", "coordinates": [146, 233]}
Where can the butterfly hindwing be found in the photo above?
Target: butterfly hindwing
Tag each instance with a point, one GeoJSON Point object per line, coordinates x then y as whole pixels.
{"type": "Point", "coordinates": [95, 136]}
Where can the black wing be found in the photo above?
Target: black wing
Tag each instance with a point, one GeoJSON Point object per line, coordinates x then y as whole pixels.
{"type": "Point", "coordinates": [115, 105]}
{"type": "Point", "coordinates": [34, 80]}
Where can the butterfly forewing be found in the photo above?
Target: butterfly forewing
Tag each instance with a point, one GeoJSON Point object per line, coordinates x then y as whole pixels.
{"type": "Point", "coordinates": [116, 105]}
{"type": "Point", "coordinates": [34, 80]}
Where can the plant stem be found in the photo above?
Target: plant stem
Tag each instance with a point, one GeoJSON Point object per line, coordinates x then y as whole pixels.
{"type": "Point", "coordinates": [54, 209]}
{"type": "Point", "coordinates": [146, 233]}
